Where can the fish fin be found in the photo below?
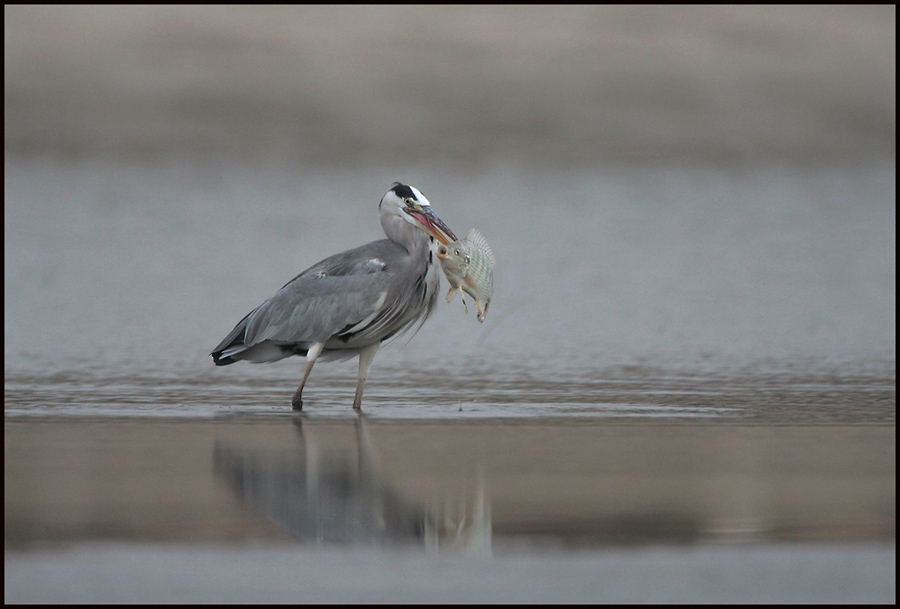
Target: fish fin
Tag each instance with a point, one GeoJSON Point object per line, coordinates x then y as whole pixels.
{"type": "Point", "coordinates": [482, 309]}
{"type": "Point", "coordinates": [478, 240]}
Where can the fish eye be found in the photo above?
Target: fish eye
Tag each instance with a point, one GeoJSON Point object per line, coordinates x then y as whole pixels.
{"type": "Point", "coordinates": [457, 252]}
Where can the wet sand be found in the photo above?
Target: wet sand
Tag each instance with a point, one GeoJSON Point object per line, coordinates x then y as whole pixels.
{"type": "Point", "coordinates": [566, 482]}
{"type": "Point", "coordinates": [149, 511]}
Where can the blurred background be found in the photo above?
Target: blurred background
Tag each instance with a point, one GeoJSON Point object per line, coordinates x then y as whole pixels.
{"type": "Point", "coordinates": [661, 185]}
{"type": "Point", "coordinates": [568, 86]}
{"type": "Point", "coordinates": [692, 335]}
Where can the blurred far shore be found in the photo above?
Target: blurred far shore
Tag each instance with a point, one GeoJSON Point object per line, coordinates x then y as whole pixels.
{"type": "Point", "coordinates": [562, 86]}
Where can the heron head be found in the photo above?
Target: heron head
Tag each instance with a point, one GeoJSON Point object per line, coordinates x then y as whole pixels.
{"type": "Point", "coordinates": [410, 205]}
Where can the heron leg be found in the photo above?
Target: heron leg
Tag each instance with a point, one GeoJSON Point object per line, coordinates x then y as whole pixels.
{"type": "Point", "coordinates": [365, 362]}
{"type": "Point", "coordinates": [312, 354]}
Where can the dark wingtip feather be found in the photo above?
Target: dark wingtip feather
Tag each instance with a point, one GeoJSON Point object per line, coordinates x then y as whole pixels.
{"type": "Point", "coordinates": [235, 337]}
{"type": "Point", "coordinates": [218, 360]}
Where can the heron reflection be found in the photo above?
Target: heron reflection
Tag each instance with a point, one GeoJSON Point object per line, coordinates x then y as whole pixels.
{"type": "Point", "coordinates": [330, 497]}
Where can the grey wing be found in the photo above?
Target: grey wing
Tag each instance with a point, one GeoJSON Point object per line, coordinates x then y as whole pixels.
{"type": "Point", "coordinates": [311, 309]}
{"type": "Point", "coordinates": [335, 294]}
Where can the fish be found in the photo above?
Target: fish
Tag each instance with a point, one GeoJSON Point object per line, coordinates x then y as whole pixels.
{"type": "Point", "coordinates": [469, 267]}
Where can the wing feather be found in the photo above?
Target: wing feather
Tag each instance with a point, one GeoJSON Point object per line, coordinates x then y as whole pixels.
{"type": "Point", "coordinates": [340, 291]}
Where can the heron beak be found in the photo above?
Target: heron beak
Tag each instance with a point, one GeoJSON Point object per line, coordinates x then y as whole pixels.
{"type": "Point", "coordinates": [432, 225]}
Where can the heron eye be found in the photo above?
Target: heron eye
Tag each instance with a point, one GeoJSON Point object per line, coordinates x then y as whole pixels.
{"type": "Point", "coordinates": [409, 202]}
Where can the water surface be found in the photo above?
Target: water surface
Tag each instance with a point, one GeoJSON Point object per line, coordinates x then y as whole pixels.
{"type": "Point", "coordinates": [672, 359]}
{"type": "Point", "coordinates": [653, 288]}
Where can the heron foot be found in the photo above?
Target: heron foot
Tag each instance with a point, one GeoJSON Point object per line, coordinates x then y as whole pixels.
{"type": "Point", "coordinates": [297, 402]}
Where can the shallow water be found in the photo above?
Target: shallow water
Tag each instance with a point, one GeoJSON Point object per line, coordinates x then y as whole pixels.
{"type": "Point", "coordinates": [822, 573]}
{"type": "Point", "coordinates": [641, 394]}
{"type": "Point", "coordinates": [649, 288]}
{"type": "Point", "coordinates": [671, 359]}
{"type": "Point", "coordinates": [469, 482]}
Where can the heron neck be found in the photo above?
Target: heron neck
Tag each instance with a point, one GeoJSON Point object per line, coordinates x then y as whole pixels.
{"type": "Point", "coordinates": [415, 241]}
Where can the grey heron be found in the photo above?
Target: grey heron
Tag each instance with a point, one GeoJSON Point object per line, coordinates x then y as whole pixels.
{"type": "Point", "coordinates": [351, 302]}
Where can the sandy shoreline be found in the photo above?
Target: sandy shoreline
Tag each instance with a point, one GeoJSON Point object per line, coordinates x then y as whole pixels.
{"type": "Point", "coordinates": [468, 85]}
